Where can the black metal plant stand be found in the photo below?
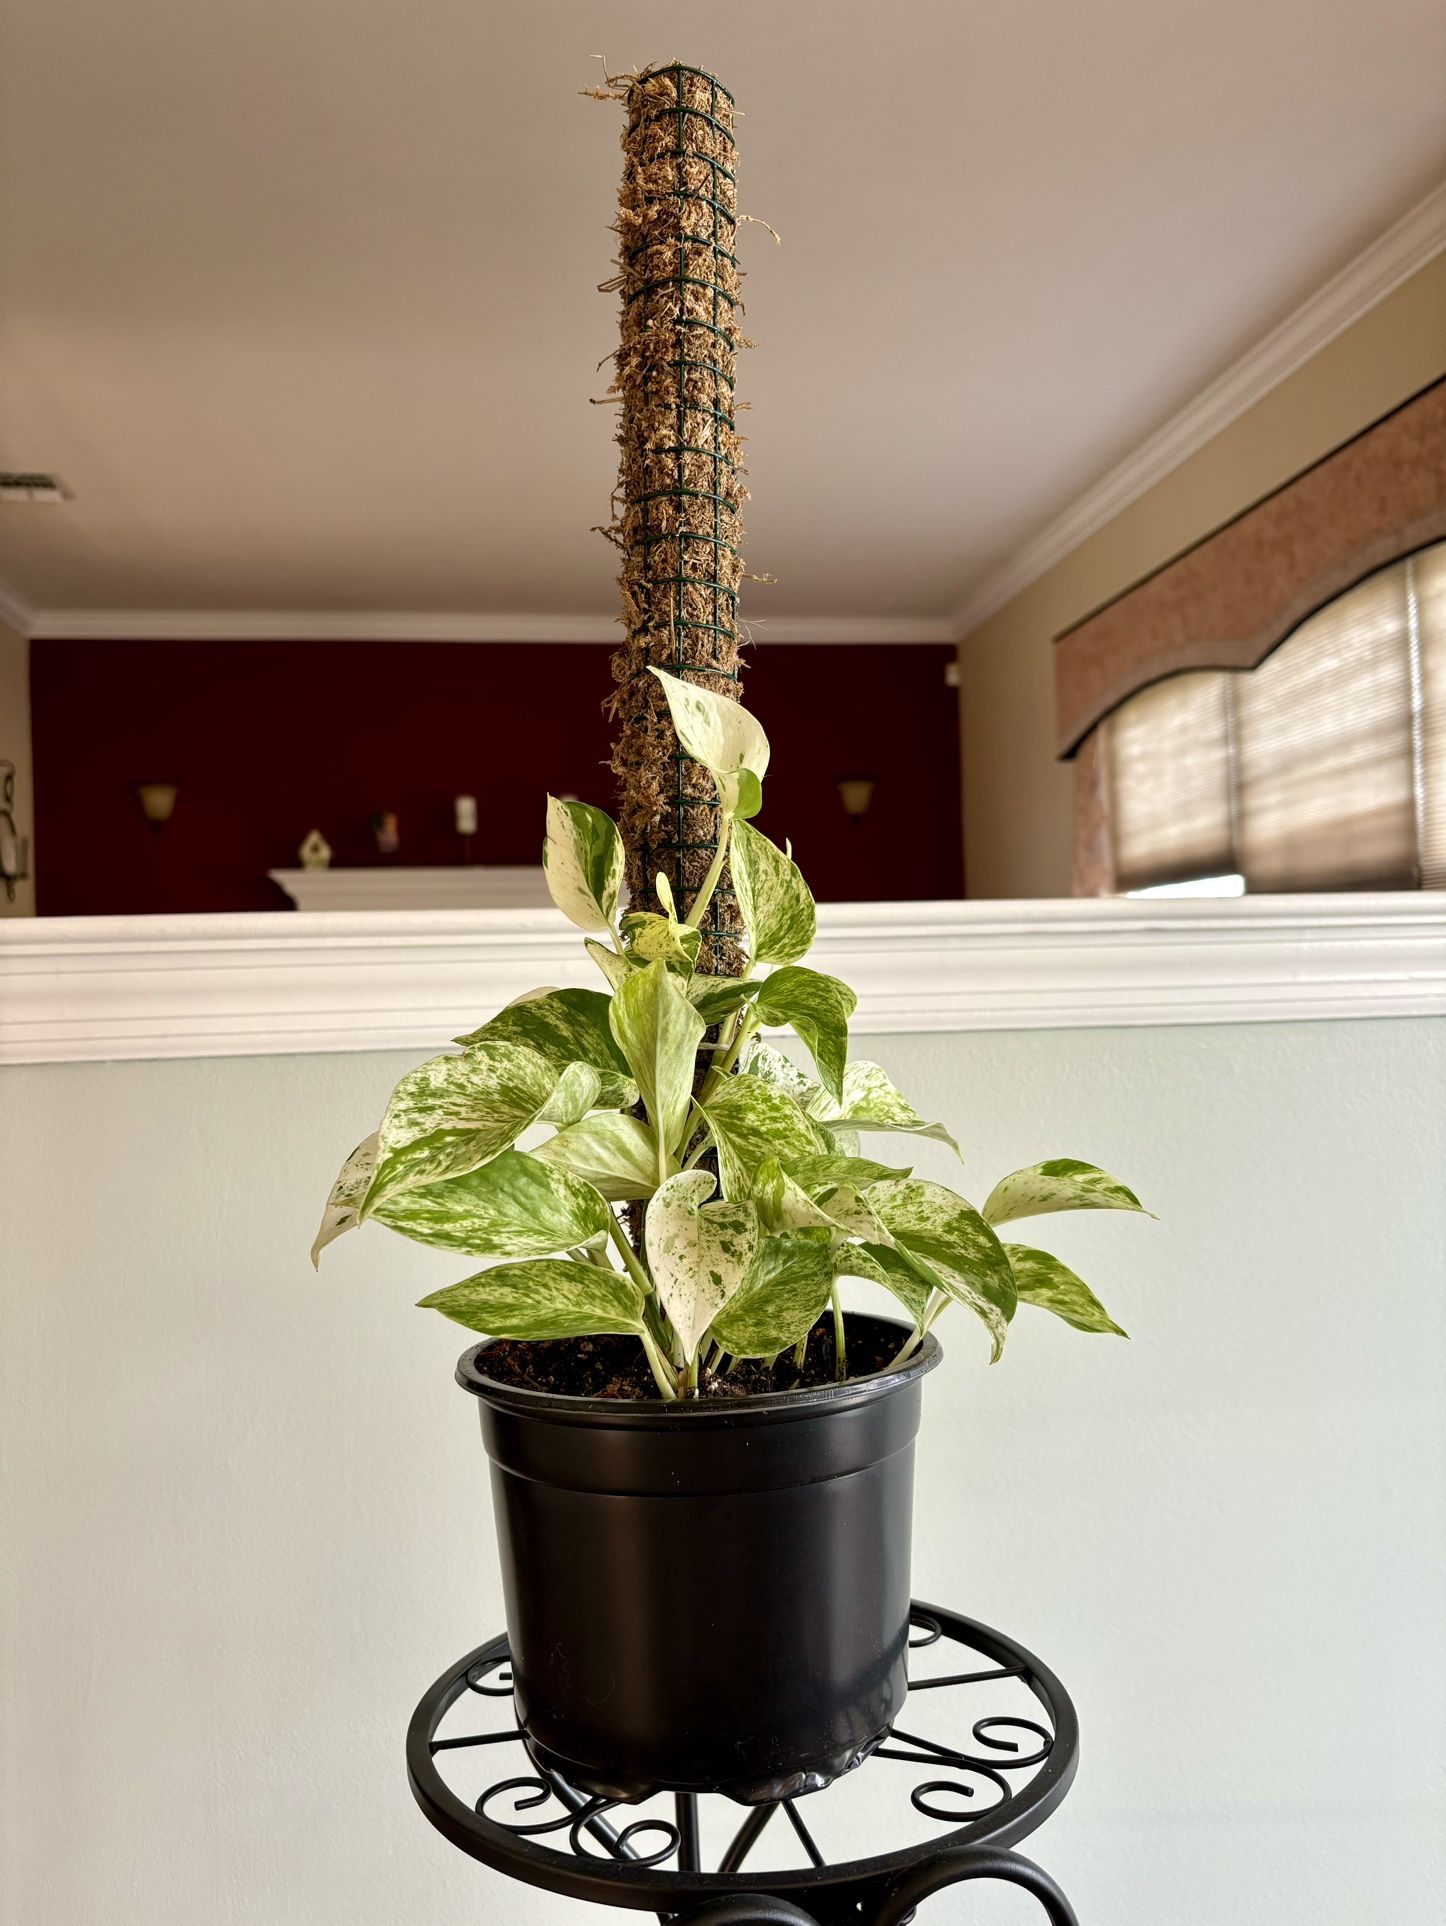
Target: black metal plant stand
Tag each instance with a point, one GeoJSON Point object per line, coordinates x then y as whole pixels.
{"type": "Point", "coordinates": [994, 1772]}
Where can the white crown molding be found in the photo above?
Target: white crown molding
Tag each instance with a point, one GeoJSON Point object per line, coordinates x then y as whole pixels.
{"type": "Point", "coordinates": [1392, 259]}
{"type": "Point", "coordinates": [87, 989]}
{"type": "Point", "coordinates": [341, 625]}
{"type": "Point", "coordinates": [15, 611]}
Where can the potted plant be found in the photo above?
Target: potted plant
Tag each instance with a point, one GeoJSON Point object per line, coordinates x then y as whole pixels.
{"type": "Point", "coordinates": [701, 1464]}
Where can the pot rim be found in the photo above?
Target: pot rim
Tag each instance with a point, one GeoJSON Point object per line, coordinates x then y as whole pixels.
{"type": "Point", "coordinates": [654, 1413]}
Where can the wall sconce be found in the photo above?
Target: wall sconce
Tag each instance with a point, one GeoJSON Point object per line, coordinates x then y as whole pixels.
{"type": "Point", "coordinates": [856, 793]}
{"type": "Point", "coordinates": [158, 802]}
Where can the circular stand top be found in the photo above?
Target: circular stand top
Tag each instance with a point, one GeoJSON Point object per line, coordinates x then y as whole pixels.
{"type": "Point", "coordinates": [984, 1769]}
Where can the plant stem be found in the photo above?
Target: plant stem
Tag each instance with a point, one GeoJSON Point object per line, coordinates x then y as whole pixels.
{"type": "Point", "coordinates": [629, 1256]}
{"type": "Point", "coordinates": [661, 1375]}
{"type": "Point", "coordinates": [710, 881]}
{"type": "Point", "coordinates": [744, 1026]}
{"type": "Point", "coordinates": [840, 1352]}
{"type": "Point", "coordinates": [907, 1349]}
{"type": "Point", "coordinates": [800, 1352]}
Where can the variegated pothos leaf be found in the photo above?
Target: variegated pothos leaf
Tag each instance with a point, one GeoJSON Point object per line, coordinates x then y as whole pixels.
{"type": "Point", "coordinates": [776, 904]}
{"type": "Point", "coordinates": [780, 1300]}
{"type": "Point", "coordinates": [818, 1008]}
{"type": "Point", "coordinates": [617, 1155]}
{"type": "Point", "coordinates": [566, 1026]}
{"type": "Point", "coordinates": [751, 1121]}
{"type": "Point", "coordinates": [515, 1206]}
{"type": "Point", "coordinates": [659, 1031]}
{"type": "Point", "coordinates": [549, 1297]}
{"type": "Point", "coordinates": [454, 1113]}
{"type": "Point", "coordinates": [343, 1205]}
{"type": "Point", "coordinates": [582, 859]}
{"type": "Point", "coordinates": [699, 1253]}
{"type": "Point", "coordinates": [1041, 1279]}
{"type": "Point", "coordinates": [943, 1233]}
{"type": "Point", "coordinates": [1064, 1183]}
{"type": "Point", "coordinates": [869, 1101]}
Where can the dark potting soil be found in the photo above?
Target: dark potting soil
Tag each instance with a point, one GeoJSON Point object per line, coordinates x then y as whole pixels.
{"type": "Point", "coordinates": [614, 1367]}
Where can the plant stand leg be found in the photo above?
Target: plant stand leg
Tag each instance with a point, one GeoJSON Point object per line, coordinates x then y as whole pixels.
{"type": "Point", "coordinates": [973, 1862]}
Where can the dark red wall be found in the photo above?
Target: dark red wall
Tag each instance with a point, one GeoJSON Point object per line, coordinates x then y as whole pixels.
{"type": "Point", "coordinates": [268, 740]}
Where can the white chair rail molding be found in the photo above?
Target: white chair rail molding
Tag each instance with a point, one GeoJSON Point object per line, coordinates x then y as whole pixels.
{"type": "Point", "coordinates": [91, 989]}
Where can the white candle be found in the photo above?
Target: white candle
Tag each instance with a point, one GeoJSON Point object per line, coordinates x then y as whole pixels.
{"type": "Point", "coordinates": [466, 810]}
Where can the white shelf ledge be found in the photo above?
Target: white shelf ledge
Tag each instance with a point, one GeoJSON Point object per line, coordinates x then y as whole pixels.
{"type": "Point", "coordinates": [96, 988]}
{"type": "Point", "coordinates": [463, 886]}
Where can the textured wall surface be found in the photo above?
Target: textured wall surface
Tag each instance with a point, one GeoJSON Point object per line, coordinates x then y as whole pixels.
{"type": "Point", "coordinates": [268, 740]}
{"type": "Point", "coordinates": [246, 1521]}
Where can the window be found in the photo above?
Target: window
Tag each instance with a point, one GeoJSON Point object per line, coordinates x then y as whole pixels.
{"type": "Point", "coordinates": [1324, 768]}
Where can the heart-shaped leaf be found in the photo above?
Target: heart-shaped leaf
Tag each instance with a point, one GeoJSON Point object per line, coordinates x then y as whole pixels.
{"type": "Point", "coordinates": [1041, 1279]}
{"type": "Point", "coordinates": [582, 858]}
{"type": "Point", "coordinates": [454, 1113]}
{"type": "Point", "coordinates": [869, 1101]}
{"type": "Point", "coordinates": [617, 1155]}
{"type": "Point", "coordinates": [776, 904]}
{"type": "Point", "coordinates": [515, 1206]}
{"type": "Point", "coordinates": [1061, 1184]}
{"type": "Point", "coordinates": [781, 1299]}
{"type": "Point", "coordinates": [550, 1297]}
{"type": "Point", "coordinates": [752, 1120]}
{"type": "Point", "coordinates": [699, 1252]}
{"type": "Point", "coordinates": [659, 1031]}
{"type": "Point", "coordinates": [566, 1026]}
{"type": "Point", "coordinates": [818, 1007]}
{"type": "Point", "coordinates": [956, 1247]}
{"type": "Point", "coordinates": [715, 997]}
{"type": "Point", "coordinates": [718, 732]}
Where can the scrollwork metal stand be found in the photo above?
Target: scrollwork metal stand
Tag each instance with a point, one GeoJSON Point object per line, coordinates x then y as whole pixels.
{"type": "Point", "coordinates": [536, 1827]}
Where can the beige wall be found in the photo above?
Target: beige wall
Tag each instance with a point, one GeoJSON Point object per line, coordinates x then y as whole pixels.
{"type": "Point", "coordinates": [15, 747]}
{"type": "Point", "coordinates": [1018, 800]}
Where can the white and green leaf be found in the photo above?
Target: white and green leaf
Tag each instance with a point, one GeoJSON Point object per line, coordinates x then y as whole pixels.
{"type": "Point", "coordinates": [716, 997]}
{"type": "Point", "coordinates": [661, 939]}
{"type": "Point", "coordinates": [550, 1297]}
{"type": "Point", "coordinates": [617, 969]}
{"type": "Point", "coordinates": [1041, 1279]}
{"type": "Point", "coordinates": [889, 1266]}
{"type": "Point", "coordinates": [699, 1253]}
{"type": "Point", "coordinates": [771, 1065]}
{"type": "Point", "coordinates": [576, 1091]}
{"type": "Point", "coordinates": [454, 1113]}
{"type": "Point", "coordinates": [752, 1120]}
{"type": "Point", "coordinates": [955, 1245]}
{"type": "Point", "coordinates": [616, 1154]}
{"type": "Point", "coordinates": [818, 1008]}
{"type": "Point", "coordinates": [582, 859]}
{"type": "Point", "coordinates": [776, 903]}
{"type": "Point", "coordinates": [718, 732]}
{"type": "Point", "coordinates": [515, 1206]}
{"type": "Point", "coordinates": [869, 1101]}
{"type": "Point", "coordinates": [658, 1031]}
{"type": "Point", "coordinates": [825, 1172]}
{"type": "Point", "coordinates": [343, 1205]}
{"type": "Point", "coordinates": [1064, 1183]}
{"type": "Point", "coordinates": [566, 1026]}
{"type": "Point", "coordinates": [782, 1298]}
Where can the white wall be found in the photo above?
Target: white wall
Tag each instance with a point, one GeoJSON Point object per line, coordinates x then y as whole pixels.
{"type": "Point", "coordinates": [246, 1522]}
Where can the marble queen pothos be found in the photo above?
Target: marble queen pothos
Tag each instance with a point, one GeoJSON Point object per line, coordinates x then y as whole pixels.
{"type": "Point", "coordinates": [740, 1264]}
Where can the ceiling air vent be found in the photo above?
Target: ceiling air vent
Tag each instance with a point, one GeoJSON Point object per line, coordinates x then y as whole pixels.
{"type": "Point", "coordinates": [18, 486]}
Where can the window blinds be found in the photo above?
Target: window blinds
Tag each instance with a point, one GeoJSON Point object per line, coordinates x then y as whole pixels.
{"type": "Point", "coordinates": [1324, 768]}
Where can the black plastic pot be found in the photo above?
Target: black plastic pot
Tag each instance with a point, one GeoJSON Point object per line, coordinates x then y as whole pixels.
{"type": "Point", "coordinates": [712, 1596]}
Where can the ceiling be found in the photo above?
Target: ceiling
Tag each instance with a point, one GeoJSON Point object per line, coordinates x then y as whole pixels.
{"type": "Point", "coordinates": [298, 296]}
